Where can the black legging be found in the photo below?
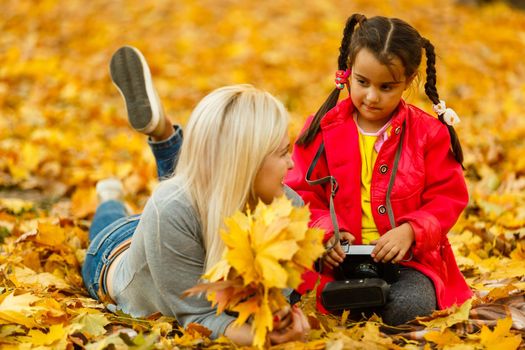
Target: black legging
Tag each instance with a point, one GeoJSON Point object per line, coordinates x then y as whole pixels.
{"type": "Point", "coordinates": [411, 296]}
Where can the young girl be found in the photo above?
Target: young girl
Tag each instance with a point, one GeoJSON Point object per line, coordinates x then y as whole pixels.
{"type": "Point", "coordinates": [235, 152]}
{"type": "Point", "coordinates": [396, 171]}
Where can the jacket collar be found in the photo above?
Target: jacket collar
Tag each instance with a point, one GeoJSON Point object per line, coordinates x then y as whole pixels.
{"type": "Point", "coordinates": [344, 109]}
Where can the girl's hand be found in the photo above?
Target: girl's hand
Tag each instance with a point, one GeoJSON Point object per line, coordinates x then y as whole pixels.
{"type": "Point", "coordinates": [296, 327]}
{"type": "Point", "coordinates": [394, 244]}
{"type": "Point", "coordinates": [336, 255]}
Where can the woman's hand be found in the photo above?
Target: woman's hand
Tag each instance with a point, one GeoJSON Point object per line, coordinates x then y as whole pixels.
{"type": "Point", "coordinates": [289, 324]}
{"type": "Point", "coordinates": [282, 318]}
{"type": "Point", "coordinates": [393, 245]}
{"type": "Point", "coordinates": [293, 326]}
{"type": "Point", "coordinates": [336, 255]}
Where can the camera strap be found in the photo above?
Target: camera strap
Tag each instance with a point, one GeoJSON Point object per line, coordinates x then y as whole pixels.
{"type": "Point", "coordinates": [334, 186]}
{"type": "Point", "coordinates": [388, 204]}
{"type": "Point", "coordinates": [333, 190]}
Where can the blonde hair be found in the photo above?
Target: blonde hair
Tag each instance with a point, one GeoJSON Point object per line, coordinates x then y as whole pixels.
{"type": "Point", "coordinates": [228, 136]}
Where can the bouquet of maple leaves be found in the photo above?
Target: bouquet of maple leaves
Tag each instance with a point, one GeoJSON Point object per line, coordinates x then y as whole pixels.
{"type": "Point", "coordinates": [266, 251]}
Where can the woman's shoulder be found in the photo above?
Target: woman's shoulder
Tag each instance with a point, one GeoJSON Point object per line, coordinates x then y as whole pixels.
{"type": "Point", "coordinates": [172, 196]}
{"type": "Point", "coordinates": [170, 206]}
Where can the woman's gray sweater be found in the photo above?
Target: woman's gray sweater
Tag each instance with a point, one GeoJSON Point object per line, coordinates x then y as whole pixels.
{"type": "Point", "coordinates": [166, 257]}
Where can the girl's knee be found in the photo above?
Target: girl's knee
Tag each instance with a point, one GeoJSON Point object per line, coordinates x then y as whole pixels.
{"type": "Point", "coordinates": [404, 309]}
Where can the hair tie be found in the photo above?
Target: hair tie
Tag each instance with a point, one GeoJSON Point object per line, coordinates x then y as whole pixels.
{"type": "Point", "coordinates": [341, 78]}
{"type": "Point", "coordinates": [449, 115]}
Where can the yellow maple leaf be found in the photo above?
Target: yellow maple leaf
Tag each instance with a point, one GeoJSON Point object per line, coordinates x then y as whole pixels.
{"type": "Point", "coordinates": [194, 333]}
{"type": "Point", "coordinates": [84, 201]}
{"type": "Point", "coordinates": [230, 295]}
{"type": "Point", "coordinates": [239, 224]}
{"type": "Point", "coordinates": [457, 315]}
{"type": "Point", "coordinates": [296, 230]}
{"type": "Point", "coordinates": [269, 261]}
{"type": "Point", "coordinates": [256, 245]}
{"type": "Point", "coordinates": [246, 309]}
{"type": "Point", "coordinates": [371, 334]}
{"type": "Point", "coordinates": [92, 324]}
{"type": "Point", "coordinates": [519, 252]}
{"type": "Point", "coordinates": [19, 309]}
{"type": "Point", "coordinates": [112, 341]}
{"type": "Point", "coordinates": [280, 207]}
{"type": "Point", "coordinates": [294, 274]}
{"type": "Point", "coordinates": [266, 233]}
{"type": "Point", "coordinates": [43, 279]}
{"type": "Point", "coordinates": [31, 155]}
{"type": "Point", "coordinates": [240, 255]}
{"type": "Point", "coordinates": [500, 338]}
{"type": "Point", "coordinates": [446, 337]}
{"type": "Point", "coordinates": [37, 337]}
{"type": "Point", "coordinates": [272, 272]}
{"type": "Point", "coordinates": [197, 330]}
{"type": "Point", "coordinates": [262, 323]}
{"type": "Point", "coordinates": [298, 223]}
{"type": "Point", "coordinates": [310, 248]}
{"type": "Point", "coordinates": [50, 312]}
{"type": "Point", "coordinates": [16, 171]}
{"type": "Point", "coordinates": [50, 234]}
{"type": "Point", "coordinates": [500, 292]}
{"type": "Point", "coordinates": [344, 317]}
{"type": "Point", "coordinates": [15, 205]}
{"type": "Point", "coordinates": [218, 271]}
{"type": "Point", "coordinates": [32, 259]}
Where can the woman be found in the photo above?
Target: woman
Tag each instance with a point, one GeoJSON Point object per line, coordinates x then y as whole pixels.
{"type": "Point", "coordinates": [235, 153]}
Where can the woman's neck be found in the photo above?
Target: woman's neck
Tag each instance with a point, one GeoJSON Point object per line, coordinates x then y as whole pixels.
{"type": "Point", "coordinates": [251, 205]}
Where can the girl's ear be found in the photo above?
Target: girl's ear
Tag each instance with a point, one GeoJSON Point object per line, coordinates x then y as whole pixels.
{"type": "Point", "coordinates": [409, 80]}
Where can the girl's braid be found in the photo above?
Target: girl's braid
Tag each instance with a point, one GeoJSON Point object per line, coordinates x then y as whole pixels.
{"type": "Point", "coordinates": [344, 50]}
{"type": "Point", "coordinates": [431, 91]}
{"type": "Point", "coordinates": [309, 134]}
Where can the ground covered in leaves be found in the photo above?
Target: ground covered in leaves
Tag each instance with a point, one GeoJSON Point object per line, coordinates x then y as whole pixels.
{"type": "Point", "coordinates": [62, 128]}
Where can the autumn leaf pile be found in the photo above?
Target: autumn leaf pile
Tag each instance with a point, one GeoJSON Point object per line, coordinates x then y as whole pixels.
{"type": "Point", "coordinates": [63, 127]}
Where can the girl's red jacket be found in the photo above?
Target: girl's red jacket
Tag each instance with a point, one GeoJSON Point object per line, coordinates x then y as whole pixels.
{"type": "Point", "coordinates": [429, 190]}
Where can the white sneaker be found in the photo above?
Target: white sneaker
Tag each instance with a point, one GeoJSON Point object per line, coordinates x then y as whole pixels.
{"type": "Point", "coordinates": [131, 75]}
{"type": "Point", "coordinates": [109, 189]}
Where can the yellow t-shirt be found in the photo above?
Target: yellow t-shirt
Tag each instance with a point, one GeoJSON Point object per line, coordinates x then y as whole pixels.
{"type": "Point", "coordinates": [368, 159]}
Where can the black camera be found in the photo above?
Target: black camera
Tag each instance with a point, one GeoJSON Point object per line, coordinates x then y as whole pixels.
{"type": "Point", "coordinates": [360, 281]}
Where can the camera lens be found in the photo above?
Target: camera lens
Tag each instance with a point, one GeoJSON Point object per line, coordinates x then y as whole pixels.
{"type": "Point", "coordinates": [366, 269]}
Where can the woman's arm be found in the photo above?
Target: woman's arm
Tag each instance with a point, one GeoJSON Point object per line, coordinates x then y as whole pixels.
{"type": "Point", "coordinates": [175, 254]}
{"type": "Point", "coordinates": [241, 335]}
{"type": "Point", "coordinates": [175, 258]}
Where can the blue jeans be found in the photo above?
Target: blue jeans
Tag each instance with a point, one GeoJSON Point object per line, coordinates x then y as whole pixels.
{"type": "Point", "coordinates": [112, 226]}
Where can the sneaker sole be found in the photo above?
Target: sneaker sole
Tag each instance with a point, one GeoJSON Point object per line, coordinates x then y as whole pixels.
{"type": "Point", "coordinates": [130, 74]}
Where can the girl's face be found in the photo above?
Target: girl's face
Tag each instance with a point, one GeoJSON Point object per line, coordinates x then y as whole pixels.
{"type": "Point", "coordinates": [376, 89]}
{"type": "Point", "coordinates": [269, 179]}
